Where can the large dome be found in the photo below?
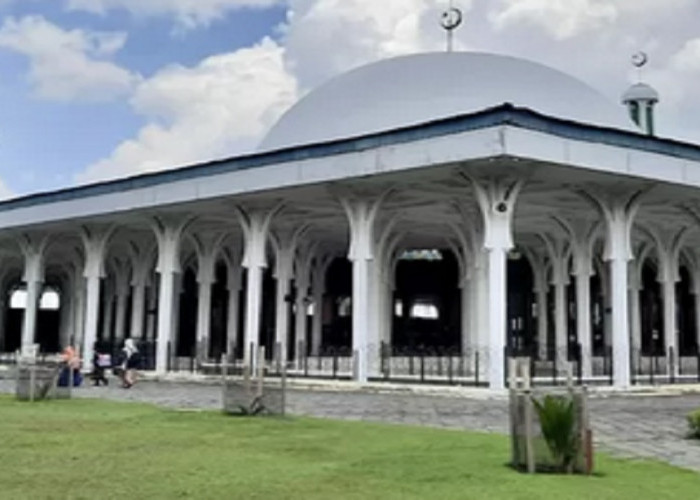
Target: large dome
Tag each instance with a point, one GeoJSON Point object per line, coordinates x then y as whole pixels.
{"type": "Point", "coordinates": [416, 89]}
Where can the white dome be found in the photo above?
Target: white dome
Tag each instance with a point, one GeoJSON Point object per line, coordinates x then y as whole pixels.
{"type": "Point", "coordinates": [420, 88]}
{"type": "Point", "coordinates": [640, 92]}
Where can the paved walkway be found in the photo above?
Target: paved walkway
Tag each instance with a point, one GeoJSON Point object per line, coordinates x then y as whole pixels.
{"type": "Point", "coordinates": [631, 425]}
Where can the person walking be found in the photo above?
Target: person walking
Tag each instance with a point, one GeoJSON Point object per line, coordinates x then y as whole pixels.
{"type": "Point", "coordinates": [129, 364]}
{"type": "Point", "coordinates": [101, 361]}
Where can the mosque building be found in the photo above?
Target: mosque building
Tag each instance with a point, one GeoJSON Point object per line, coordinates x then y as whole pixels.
{"type": "Point", "coordinates": [464, 206]}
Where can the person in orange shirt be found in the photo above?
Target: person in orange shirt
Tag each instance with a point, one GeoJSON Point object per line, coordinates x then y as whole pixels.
{"type": "Point", "coordinates": [71, 360]}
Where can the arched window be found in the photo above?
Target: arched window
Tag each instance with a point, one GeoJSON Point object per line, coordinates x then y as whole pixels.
{"type": "Point", "coordinates": [18, 299]}
{"type": "Point", "coordinates": [424, 310]}
{"type": "Point", "coordinates": [50, 299]}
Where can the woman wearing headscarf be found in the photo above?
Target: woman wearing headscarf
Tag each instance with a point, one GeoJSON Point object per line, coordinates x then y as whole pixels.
{"type": "Point", "coordinates": [130, 362]}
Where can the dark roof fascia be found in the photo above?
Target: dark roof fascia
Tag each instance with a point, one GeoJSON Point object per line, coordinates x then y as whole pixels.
{"type": "Point", "coordinates": [505, 114]}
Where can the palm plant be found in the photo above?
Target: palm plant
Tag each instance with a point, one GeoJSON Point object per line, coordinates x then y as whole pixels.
{"type": "Point", "coordinates": [557, 416]}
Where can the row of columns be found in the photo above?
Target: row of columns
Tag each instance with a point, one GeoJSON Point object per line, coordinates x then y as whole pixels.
{"type": "Point", "coordinates": [484, 284]}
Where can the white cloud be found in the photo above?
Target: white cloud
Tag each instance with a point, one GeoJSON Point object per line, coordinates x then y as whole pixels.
{"type": "Point", "coordinates": [688, 58]}
{"type": "Point", "coordinates": [326, 37]}
{"type": "Point", "coordinates": [217, 108]}
{"type": "Point", "coordinates": [68, 65]}
{"type": "Point", "coordinates": [562, 18]}
{"type": "Point", "coordinates": [188, 13]}
{"type": "Point", "coordinates": [224, 105]}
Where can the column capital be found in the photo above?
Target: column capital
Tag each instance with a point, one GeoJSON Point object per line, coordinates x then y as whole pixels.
{"type": "Point", "coordinates": [256, 226]}
{"type": "Point", "coordinates": [618, 211]}
{"type": "Point", "coordinates": [362, 214]}
{"type": "Point", "coordinates": [668, 246]}
{"type": "Point", "coordinates": [95, 239]}
{"type": "Point", "coordinates": [168, 232]}
{"type": "Point", "coordinates": [558, 255]}
{"type": "Point", "coordinates": [496, 198]}
{"type": "Point", "coordinates": [33, 247]}
{"type": "Point", "coordinates": [286, 243]}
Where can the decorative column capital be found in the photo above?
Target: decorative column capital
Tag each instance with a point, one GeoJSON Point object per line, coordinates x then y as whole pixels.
{"type": "Point", "coordinates": [496, 199]}
{"type": "Point", "coordinates": [256, 226]}
{"type": "Point", "coordinates": [168, 232]}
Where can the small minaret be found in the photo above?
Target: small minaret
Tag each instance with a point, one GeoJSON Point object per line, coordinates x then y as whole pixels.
{"type": "Point", "coordinates": [641, 99]}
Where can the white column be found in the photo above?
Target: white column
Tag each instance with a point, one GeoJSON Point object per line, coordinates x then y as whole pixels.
{"type": "Point", "coordinates": [168, 234]}
{"type": "Point", "coordinates": [166, 306]}
{"type": "Point", "coordinates": [92, 311]}
{"type": "Point", "coordinates": [107, 317]}
{"type": "Point", "coordinates": [318, 290]}
{"type": "Point", "coordinates": [251, 330]}
{"type": "Point", "coordinates": [620, 323]}
{"type": "Point", "coordinates": [496, 200]}
{"type": "Point", "coordinates": [31, 310]}
{"type": "Point", "coordinates": [583, 321]}
{"type": "Point", "coordinates": [560, 320]}
{"type": "Point", "coordinates": [387, 319]}
{"type": "Point", "coordinates": [120, 320]}
{"type": "Point", "coordinates": [95, 242]}
{"type": "Point", "coordinates": [669, 246]}
{"type": "Point", "coordinates": [483, 336]}
{"type": "Point", "coordinates": [138, 308]}
{"type": "Point", "coordinates": [635, 286]}
{"type": "Point", "coordinates": [466, 291]}
{"type": "Point", "coordinates": [152, 298]}
{"type": "Point", "coordinates": [33, 279]}
{"type": "Point", "coordinates": [697, 317]}
{"type": "Point", "coordinates": [79, 309]}
{"type": "Point", "coordinates": [668, 282]}
{"type": "Point", "coordinates": [360, 314]}
{"type": "Point", "coordinates": [204, 315]}
{"type": "Point", "coordinates": [559, 262]}
{"type": "Point", "coordinates": [256, 227]}
{"type": "Point", "coordinates": [234, 293]}
{"type": "Point", "coordinates": [668, 291]}
{"type": "Point", "coordinates": [619, 213]}
{"type": "Point", "coordinates": [3, 313]}
{"type": "Point", "coordinates": [300, 317]}
{"type": "Point", "coordinates": [498, 296]}
{"type": "Point", "coordinates": [361, 215]}
{"type": "Point", "coordinates": [283, 275]}
{"type": "Point", "coordinates": [66, 316]}
{"type": "Point", "coordinates": [542, 319]}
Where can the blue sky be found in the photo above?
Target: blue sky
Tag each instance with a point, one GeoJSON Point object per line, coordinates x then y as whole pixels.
{"type": "Point", "coordinates": [98, 89]}
{"type": "Point", "coordinates": [43, 143]}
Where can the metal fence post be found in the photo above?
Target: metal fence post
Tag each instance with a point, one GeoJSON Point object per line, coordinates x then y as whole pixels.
{"type": "Point", "coordinates": [476, 368]}
{"type": "Point", "coordinates": [169, 355]}
{"type": "Point", "coordinates": [422, 366]}
{"type": "Point", "coordinates": [671, 365]}
{"type": "Point", "coordinates": [335, 364]}
{"type": "Point", "coordinates": [449, 369]}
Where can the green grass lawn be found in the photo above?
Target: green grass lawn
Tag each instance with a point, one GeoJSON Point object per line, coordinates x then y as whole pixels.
{"type": "Point", "coordinates": [99, 450]}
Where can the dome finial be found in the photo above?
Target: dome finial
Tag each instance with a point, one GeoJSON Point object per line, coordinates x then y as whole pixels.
{"type": "Point", "coordinates": [641, 98]}
{"type": "Point", "coordinates": [451, 20]}
{"type": "Point", "coordinates": [639, 60]}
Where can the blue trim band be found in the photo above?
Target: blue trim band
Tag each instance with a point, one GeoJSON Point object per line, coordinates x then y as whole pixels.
{"type": "Point", "coordinates": [505, 114]}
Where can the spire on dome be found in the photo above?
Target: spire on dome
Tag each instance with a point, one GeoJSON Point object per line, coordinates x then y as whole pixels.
{"type": "Point", "coordinates": [451, 20]}
{"type": "Point", "coordinates": [640, 98]}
